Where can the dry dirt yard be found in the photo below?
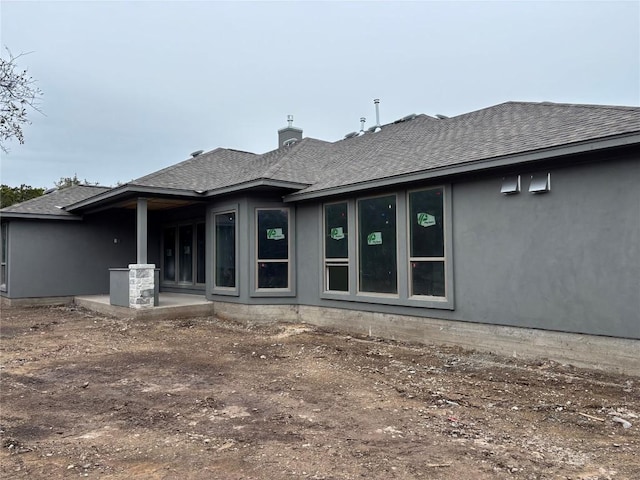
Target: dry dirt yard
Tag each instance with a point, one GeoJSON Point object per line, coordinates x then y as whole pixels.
{"type": "Point", "coordinates": [85, 395]}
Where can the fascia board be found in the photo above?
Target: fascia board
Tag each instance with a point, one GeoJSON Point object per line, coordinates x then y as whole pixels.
{"type": "Point", "coordinates": [131, 189]}
{"type": "Point", "coordinates": [39, 216]}
{"type": "Point", "coordinates": [255, 184]}
{"type": "Point", "coordinates": [135, 189]}
{"type": "Point", "coordinates": [470, 167]}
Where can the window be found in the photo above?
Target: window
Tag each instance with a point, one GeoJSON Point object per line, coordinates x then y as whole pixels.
{"type": "Point", "coordinates": [169, 257]}
{"type": "Point", "coordinates": [272, 229]}
{"type": "Point", "coordinates": [336, 247]}
{"type": "Point", "coordinates": [377, 245]}
{"type": "Point", "coordinates": [200, 253]}
{"type": "Point", "coordinates": [426, 243]}
{"type": "Point", "coordinates": [372, 266]}
{"type": "Point", "coordinates": [184, 254]}
{"type": "Point", "coordinates": [3, 255]}
{"type": "Point", "coordinates": [224, 260]}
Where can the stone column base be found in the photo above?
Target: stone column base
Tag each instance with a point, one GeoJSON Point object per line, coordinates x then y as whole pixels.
{"type": "Point", "coordinates": [141, 285]}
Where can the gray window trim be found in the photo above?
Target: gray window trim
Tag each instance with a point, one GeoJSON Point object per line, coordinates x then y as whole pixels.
{"type": "Point", "coordinates": [253, 239]}
{"type": "Point", "coordinates": [368, 295]}
{"type": "Point", "coordinates": [326, 262]}
{"type": "Point", "coordinates": [403, 297]}
{"type": "Point", "coordinates": [231, 291]}
{"type": "Point", "coordinates": [430, 301]}
{"type": "Point", "coordinates": [194, 261]}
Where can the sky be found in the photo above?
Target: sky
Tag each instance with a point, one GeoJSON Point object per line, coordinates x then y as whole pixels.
{"type": "Point", "coordinates": [132, 87]}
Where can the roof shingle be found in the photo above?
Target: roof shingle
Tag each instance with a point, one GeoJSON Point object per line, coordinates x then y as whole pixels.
{"type": "Point", "coordinates": [52, 204]}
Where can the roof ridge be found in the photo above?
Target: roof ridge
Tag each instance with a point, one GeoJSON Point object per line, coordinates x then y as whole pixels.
{"type": "Point", "coordinates": [280, 162]}
{"type": "Point", "coordinates": [578, 105]}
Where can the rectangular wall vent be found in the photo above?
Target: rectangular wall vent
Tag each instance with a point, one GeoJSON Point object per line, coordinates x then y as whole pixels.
{"type": "Point", "coordinates": [540, 183]}
{"type": "Point", "coordinates": [510, 185]}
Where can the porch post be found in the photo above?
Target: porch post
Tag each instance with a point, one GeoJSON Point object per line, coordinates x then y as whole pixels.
{"type": "Point", "coordinates": [141, 229]}
{"type": "Point", "coordinates": [142, 281]}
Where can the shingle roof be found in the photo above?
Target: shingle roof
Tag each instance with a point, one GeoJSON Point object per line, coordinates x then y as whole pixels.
{"type": "Point", "coordinates": [298, 163]}
{"type": "Point", "coordinates": [51, 203]}
{"type": "Point", "coordinates": [506, 129]}
{"type": "Point", "coordinates": [204, 172]}
{"type": "Point", "coordinates": [421, 144]}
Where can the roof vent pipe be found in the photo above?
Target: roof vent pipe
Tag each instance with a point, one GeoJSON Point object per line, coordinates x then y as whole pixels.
{"type": "Point", "coordinates": [376, 102]}
{"type": "Point", "coordinates": [362, 120]}
{"type": "Point", "coordinates": [196, 153]}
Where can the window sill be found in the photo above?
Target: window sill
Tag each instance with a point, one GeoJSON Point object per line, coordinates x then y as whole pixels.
{"type": "Point", "coordinates": [273, 292]}
{"type": "Point", "coordinates": [427, 302]}
{"type": "Point", "coordinates": [231, 292]}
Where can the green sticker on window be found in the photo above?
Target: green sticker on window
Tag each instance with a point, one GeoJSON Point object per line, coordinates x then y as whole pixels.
{"type": "Point", "coordinates": [337, 233]}
{"type": "Point", "coordinates": [274, 234]}
{"type": "Point", "coordinates": [374, 238]}
{"type": "Point", "coordinates": [426, 220]}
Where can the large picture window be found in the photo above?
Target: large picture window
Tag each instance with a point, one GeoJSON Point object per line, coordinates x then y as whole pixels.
{"type": "Point", "coordinates": [377, 245]}
{"type": "Point", "coordinates": [183, 256]}
{"type": "Point", "coordinates": [224, 260]}
{"type": "Point", "coordinates": [336, 247]}
{"type": "Point", "coordinates": [272, 229]}
{"type": "Point", "coordinates": [427, 243]}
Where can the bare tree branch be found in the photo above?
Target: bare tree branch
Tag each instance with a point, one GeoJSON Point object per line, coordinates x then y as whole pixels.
{"type": "Point", "coordinates": [18, 94]}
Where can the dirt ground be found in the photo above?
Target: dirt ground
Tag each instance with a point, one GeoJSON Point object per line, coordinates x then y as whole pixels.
{"type": "Point", "coordinates": [85, 395]}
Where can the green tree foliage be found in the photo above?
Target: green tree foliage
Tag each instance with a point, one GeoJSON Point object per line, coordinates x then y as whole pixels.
{"type": "Point", "coordinates": [10, 195]}
{"type": "Point", "coordinates": [65, 182]}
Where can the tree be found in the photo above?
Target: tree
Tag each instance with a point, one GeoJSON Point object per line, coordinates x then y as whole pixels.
{"type": "Point", "coordinates": [18, 94]}
{"type": "Point", "coordinates": [10, 195]}
{"type": "Point", "coordinates": [65, 182]}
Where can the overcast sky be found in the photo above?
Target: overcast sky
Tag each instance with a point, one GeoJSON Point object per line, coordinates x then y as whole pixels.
{"type": "Point", "coordinates": [132, 87]}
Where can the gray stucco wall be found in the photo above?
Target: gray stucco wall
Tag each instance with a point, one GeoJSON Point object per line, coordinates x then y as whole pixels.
{"type": "Point", "coordinates": [567, 260]}
{"type": "Point", "coordinates": [63, 258]}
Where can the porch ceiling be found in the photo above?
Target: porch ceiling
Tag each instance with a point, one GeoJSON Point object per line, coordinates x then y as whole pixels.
{"type": "Point", "coordinates": [158, 203]}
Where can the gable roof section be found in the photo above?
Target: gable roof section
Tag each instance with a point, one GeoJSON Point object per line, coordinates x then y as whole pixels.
{"type": "Point", "coordinates": [299, 163]}
{"type": "Point", "coordinates": [50, 205]}
{"type": "Point", "coordinates": [224, 170]}
{"type": "Point", "coordinates": [428, 145]}
{"type": "Point", "coordinates": [204, 172]}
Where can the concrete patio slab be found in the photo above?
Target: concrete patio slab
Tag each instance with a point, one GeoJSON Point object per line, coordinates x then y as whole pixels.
{"type": "Point", "coordinates": [171, 305]}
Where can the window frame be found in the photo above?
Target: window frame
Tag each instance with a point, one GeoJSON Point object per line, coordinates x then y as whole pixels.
{"type": "Point", "coordinates": [221, 290]}
{"type": "Point", "coordinates": [290, 290]}
{"type": "Point", "coordinates": [365, 293]}
{"type": "Point", "coordinates": [411, 258]}
{"type": "Point", "coordinates": [176, 283]}
{"type": "Point", "coordinates": [403, 298]}
{"type": "Point", "coordinates": [328, 262]}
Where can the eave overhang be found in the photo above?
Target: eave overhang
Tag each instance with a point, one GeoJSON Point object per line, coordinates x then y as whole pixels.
{"type": "Point", "coordinates": [524, 158]}
{"type": "Point", "coordinates": [39, 216]}
{"type": "Point", "coordinates": [127, 191]}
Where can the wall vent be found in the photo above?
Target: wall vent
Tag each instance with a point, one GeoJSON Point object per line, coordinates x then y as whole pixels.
{"type": "Point", "coordinates": [540, 183]}
{"type": "Point", "coordinates": [510, 185]}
